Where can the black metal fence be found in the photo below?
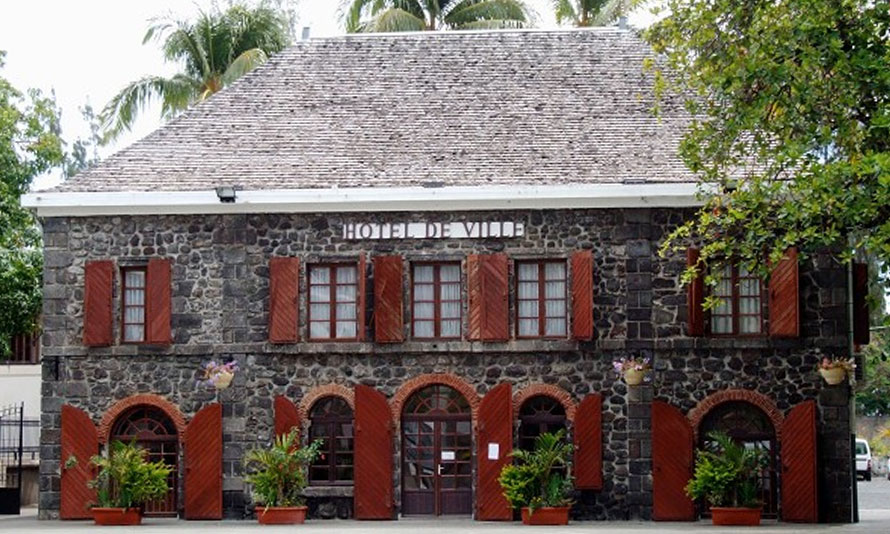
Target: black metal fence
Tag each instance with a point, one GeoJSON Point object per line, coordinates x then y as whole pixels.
{"type": "Point", "coordinates": [12, 452]}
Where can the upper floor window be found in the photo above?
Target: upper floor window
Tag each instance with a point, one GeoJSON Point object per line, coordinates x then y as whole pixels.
{"type": "Point", "coordinates": [133, 304]}
{"type": "Point", "coordinates": [436, 300]}
{"type": "Point", "coordinates": [739, 306]}
{"type": "Point", "coordinates": [331, 421]}
{"type": "Point", "coordinates": [333, 301]}
{"type": "Point", "coordinates": [541, 298]}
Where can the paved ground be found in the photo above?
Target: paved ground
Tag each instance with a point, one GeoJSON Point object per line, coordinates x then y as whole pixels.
{"type": "Point", "coordinates": [874, 514]}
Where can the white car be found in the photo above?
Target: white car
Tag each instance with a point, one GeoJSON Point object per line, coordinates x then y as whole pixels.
{"type": "Point", "coordinates": [863, 459]}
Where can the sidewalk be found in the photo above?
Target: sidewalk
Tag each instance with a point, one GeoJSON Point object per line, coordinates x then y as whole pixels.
{"type": "Point", "coordinates": [873, 521]}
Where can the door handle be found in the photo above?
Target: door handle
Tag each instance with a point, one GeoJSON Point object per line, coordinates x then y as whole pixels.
{"type": "Point", "coordinates": [439, 469]}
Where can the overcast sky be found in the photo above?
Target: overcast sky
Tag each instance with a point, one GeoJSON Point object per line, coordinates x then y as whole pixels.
{"type": "Point", "coordinates": [87, 50]}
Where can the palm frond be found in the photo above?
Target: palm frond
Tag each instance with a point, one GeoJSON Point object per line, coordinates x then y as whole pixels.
{"type": "Point", "coordinates": [475, 14]}
{"type": "Point", "coordinates": [246, 62]}
{"type": "Point", "coordinates": [612, 10]}
{"type": "Point", "coordinates": [565, 12]}
{"type": "Point", "coordinates": [119, 114]}
{"type": "Point", "coordinates": [394, 20]}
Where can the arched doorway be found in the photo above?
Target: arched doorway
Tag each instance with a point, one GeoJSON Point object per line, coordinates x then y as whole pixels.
{"type": "Point", "coordinates": [749, 425]}
{"type": "Point", "coordinates": [538, 415]}
{"type": "Point", "coordinates": [331, 421]}
{"type": "Point", "coordinates": [154, 431]}
{"type": "Point", "coordinates": [437, 472]}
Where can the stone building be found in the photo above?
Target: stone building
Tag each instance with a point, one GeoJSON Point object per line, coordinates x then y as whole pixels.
{"type": "Point", "coordinates": [425, 250]}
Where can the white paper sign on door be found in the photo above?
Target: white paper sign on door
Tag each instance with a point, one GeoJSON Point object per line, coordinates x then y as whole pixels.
{"type": "Point", "coordinates": [447, 456]}
{"type": "Point", "coordinates": [494, 451]}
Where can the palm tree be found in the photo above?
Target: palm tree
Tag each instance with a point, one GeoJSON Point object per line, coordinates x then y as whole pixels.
{"type": "Point", "coordinates": [215, 50]}
{"type": "Point", "coordinates": [583, 13]}
{"type": "Point", "coordinates": [423, 15]}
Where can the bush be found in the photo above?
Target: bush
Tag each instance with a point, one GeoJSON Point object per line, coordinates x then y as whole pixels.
{"type": "Point", "coordinates": [278, 474]}
{"type": "Point", "coordinates": [533, 482]}
{"type": "Point", "coordinates": [126, 478]}
{"type": "Point", "coordinates": [727, 474]}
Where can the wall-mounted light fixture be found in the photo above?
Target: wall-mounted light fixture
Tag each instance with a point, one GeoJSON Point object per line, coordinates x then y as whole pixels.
{"type": "Point", "coordinates": [226, 193]}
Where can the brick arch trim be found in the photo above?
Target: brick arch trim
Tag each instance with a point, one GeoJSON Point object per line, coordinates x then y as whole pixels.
{"type": "Point", "coordinates": [548, 390]}
{"type": "Point", "coordinates": [146, 399]}
{"type": "Point", "coordinates": [697, 414]}
{"type": "Point", "coordinates": [419, 382]}
{"type": "Point", "coordinates": [327, 390]}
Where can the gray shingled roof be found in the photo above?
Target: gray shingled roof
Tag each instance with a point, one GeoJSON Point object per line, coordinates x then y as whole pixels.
{"type": "Point", "coordinates": [475, 108]}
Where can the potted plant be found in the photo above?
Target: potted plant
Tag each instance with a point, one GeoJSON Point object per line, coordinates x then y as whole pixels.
{"type": "Point", "coordinates": [218, 375]}
{"type": "Point", "coordinates": [536, 485]}
{"type": "Point", "coordinates": [278, 476]}
{"type": "Point", "coordinates": [835, 370]}
{"type": "Point", "coordinates": [125, 482]}
{"type": "Point", "coordinates": [727, 477]}
{"type": "Point", "coordinates": [633, 369]}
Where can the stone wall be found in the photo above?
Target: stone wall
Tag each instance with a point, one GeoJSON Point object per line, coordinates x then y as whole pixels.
{"type": "Point", "coordinates": [220, 307]}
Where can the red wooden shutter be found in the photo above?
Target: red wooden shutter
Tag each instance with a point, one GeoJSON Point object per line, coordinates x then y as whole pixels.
{"type": "Point", "coordinates": [495, 425]}
{"type": "Point", "coordinates": [203, 464]}
{"type": "Point", "coordinates": [799, 468]}
{"type": "Point", "coordinates": [695, 297]}
{"type": "Point", "coordinates": [80, 441]}
{"type": "Point", "coordinates": [672, 440]}
{"type": "Point", "coordinates": [373, 486]}
{"type": "Point", "coordinates": [784, 304]}
{"type": "Point", "coordinates": [588, 468]}
{"type": "Point", "coordinates": [286, 415]}
{"type": "Point", "coordinates": [284, 281]}
{"type": "Point", "coordinates": [488, 286]}
{"type": "Point", "coordinates": [388, 313]}
{"type": "Point", "coordinates": [361, 272]}
{"type": "Point", "coordinates": [861, 334]}
{"type": "Point", "coordinates": [157, 305]}
{"type": "Point", "coordinates": [97, 317]}
{"type": "Point", "coordinates": [582, 295]}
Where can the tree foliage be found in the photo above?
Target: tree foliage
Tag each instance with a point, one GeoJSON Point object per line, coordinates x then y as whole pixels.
{"type": "Point", "coordinates": [873, 394]}
{"type": "Point", "coordinates": [423, 15]}
{"type": "Point", "coordinates": [584, 13]}
{"type": "Point", "coordinates": [30, 145]}
{"type": "Point", "coordinates": [215, 50]}
{"type": "Point", "coordinates": [791, 129]}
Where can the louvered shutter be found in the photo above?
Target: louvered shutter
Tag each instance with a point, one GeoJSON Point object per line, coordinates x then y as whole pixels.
{"type": "Point", "coordinates": [286, 415]}
{"type": "Point", "coordinates": [582, 295]}
{"type": "Point", "coordinates": [388, 312]}
{"type": "Point", "coordinates": [672, 440]}
{"type": "Point", "coordinates": [284, 282]}
{"type": "Point", "coordinates": [361, 273]}
{"type": "Point", "coordinates": [695, 297]}
{"type": "Point", "coordinates": [203, 464]}
{"type": "Point", "coordinates": [97, 305]}
{"type": "Point", "coordinates": [800, 499]}
{"type": "Point", "coordinates": [373, 487]}
{"type": "Point", "coordinates": [157, 306]}
{"type": "Point", "coordinates": [588, 437]}
{"type": "Point", "coordinates": [495, 426]}
{"type": "Point", "coordinates": [784, 304]}
{"type": "Point", "coordinates": [488, 287]}
{"type": "Point", "coordinates": [861, 334]}
{"type": "Point", "coordinates": [80, 442]}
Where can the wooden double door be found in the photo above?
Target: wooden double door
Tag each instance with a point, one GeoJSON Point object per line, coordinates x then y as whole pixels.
{"type": "Point", "coordinates": [437, 472]}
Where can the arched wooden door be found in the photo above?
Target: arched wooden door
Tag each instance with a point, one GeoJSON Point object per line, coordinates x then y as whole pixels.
{"type": "Point", "coordinates": [437, 472]}
{"type": "Point", "coordinates": [152, 430]}
{"type": "Point", "coordinates": [748, 425]}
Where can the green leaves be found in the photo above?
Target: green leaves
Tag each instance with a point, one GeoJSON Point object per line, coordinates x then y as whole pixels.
{"type": "Point", "coordinates": [421, 15]}
{"type": "Point", "coordinates": [727, 473]}
{"type": "Point", "coordinates": [278, 474]}
{"type": "Point", "coordinates": [535, 482]}
{"type": "Point", "coordinates": [126, 478]}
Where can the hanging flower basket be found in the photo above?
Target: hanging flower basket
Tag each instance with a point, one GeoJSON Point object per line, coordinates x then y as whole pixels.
{"type": "Point", "coordinates": [836, 370]}
{"type": "Point", "coordinates": [634, 377]}
{"type": "Point", "coordinates": [218, 375]}
{"type": "Point", "coordinates": [633, 369]}
{"type": "Point", "coordinates": [834, 375]}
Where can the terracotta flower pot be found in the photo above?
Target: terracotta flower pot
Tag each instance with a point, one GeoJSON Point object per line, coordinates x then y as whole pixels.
{"type": "Point", "coordinates": [117, 516]}
{"type": "Point", "coordinates": [633, 377]}
{"type": "Point", "coordinates": [546, 516]}
{"type": "Point", "coordinates": [743, 517]}
{"type": "Point", "coordinates": [281, 515]}
{"type": "Point", "coordinates": [834, 375]}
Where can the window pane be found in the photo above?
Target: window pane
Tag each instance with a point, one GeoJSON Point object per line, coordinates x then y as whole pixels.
{"type": "Point", "coordinates": [319, 275]}
{"type": "Point", "coordinates": [449, 273]}
{"type": "Point", "coordinates": [134, 297]}
{"type": "Point", "coordinates": [424, 310]}
{"type": "Point", "coordinates": [135, 279]}
{"type": "Point", "coordinates": [555, 308]}
{"type": "Point", "coordinates": [423, 328]}
{"type": "Point", "coordinates": [346, 329]}
{"type": "Point", "coordinates": [346, 311]}
{"type": "Point", "coordinates": [721, 325]}
{"type": "Point", "coordinates": [346, 274]}
{"type": "Point", "coordinates": [749, 287]}
{"type": "Point", "coordinates": [320, 293]}
{"type": "Point", "coordinates": [423, 273]}
{"type": "Point", "coordinates": [749, 305]}
{"type": "Point", "coordinates": [319, 311]}
{"type": "Point", "coordinates": [450, 309]}
{"type": "Point", "coordinates": [134, 315]}
{"type": "Point", "coordinates": [528, 271]}
{"type": "Point", "coordinates": [528, 290]}
{"type": "Point", "coordinates": [528, 327]}
{"type": "Point", "coordinates": [423, 292]}
{"type": "Point", "coordinates": [450, 328]}
{"type": "Point", "coordinates": [555, 271]}
{"type": "Point", "coordinates": [722, 308]}
{"type": "Point", "coordinates": [528, 308]}
{"type": "Point", "coordinates": [346, 293]}
{"type": "Point", "coordinates": [749, 325]}
{"type": "Point", "coordinates": [320, 330]}
{"type": "Point", "coordinates": [555, 290]}
{"type": "Point", "coordinates": [555, 327]}
{"type": "Point", "coordinates": [450, 292]}
{"type": "Point", "coordinates": [134, 333]}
